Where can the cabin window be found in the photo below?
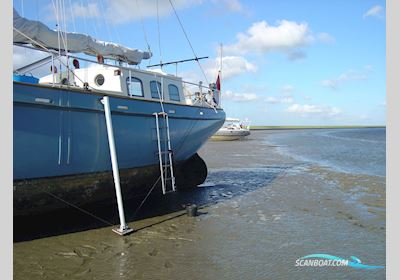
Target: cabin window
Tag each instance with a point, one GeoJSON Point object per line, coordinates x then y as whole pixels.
{"type": "Point", "coordinates": [99, 80]}
{"type": "Point", "coordinates": [173, 92]}
{"type": "Point", "coordinates": [135, 87]}
{"type": "Point", "coordinates": [155, 88]}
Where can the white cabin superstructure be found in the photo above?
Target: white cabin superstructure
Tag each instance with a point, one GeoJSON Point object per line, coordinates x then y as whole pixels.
{"type": "Point", "coordinates": [149, 85]}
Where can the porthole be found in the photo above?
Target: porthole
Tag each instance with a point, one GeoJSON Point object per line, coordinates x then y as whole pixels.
{"type": "Point", "coordinates": [99, 80]}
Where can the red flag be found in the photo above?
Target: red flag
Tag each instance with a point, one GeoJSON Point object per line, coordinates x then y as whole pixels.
{"type": "Point", "coordinates": [218, 83]}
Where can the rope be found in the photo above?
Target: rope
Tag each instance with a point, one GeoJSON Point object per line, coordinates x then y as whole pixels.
{"type": "Point", "coordinates": [187, 38]}
{"type": "Point", "coordinates": [80, 209]}
{"type": "Point", "coordinates": [97, 217]}
{"type": "Point", "coordinates": [144, 200]}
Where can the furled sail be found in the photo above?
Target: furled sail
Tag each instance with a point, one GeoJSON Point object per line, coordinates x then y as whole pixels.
{"type": "Point", "coordinates": [77, 43]}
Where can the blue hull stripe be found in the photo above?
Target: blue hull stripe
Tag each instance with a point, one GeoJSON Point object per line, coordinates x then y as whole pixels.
{"type": "Point", "coordinates": [68, 136]}
{"type": "Point", "coordinates": [100, 111]}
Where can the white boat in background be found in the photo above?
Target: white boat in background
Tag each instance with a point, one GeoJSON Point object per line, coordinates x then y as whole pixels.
{"type": "Point", "coordinates": [233, 129]}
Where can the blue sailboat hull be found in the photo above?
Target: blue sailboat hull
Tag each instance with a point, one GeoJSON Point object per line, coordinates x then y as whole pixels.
{"type": "Point", "coordinates": [61, 132]}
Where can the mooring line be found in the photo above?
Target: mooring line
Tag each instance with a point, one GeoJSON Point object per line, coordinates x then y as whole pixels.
{"type": "Point", "coordinates": [80, 209]}
{"type": "Point", "coordinates": [101, 219]}
{"type": "Point", "coordinates": [147, 195]}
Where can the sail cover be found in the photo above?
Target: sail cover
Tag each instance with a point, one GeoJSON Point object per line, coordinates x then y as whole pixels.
{"type": "Point", "coordinates": [76, 42]}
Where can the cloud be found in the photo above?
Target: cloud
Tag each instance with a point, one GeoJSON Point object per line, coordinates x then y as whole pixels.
{"type": "Point", "coordinates": [231, 5]}
{"type": "Point", "coordinates": [287, 99]}
{"type": "Point", "coordinates": [368, 67]}
{"type": "Point", "coordinates": [90, 10]}
{"type": "Point", "coordinates": [255, 87]}
{"type": "Point", "coordinates": [287, 89]}
{"type": "Point", "coordinates": [261, 37]}
{"type": "Point", "coordinates": [123, 11]}
{"type": "Point", "coordinates": [276, 100]}
{"type": "Point", "coordinates": [231, 66]}
{"type": "Point", "coordinates": [333, 84]}
{"type": "Point", "coordinates": [296, 55]}
{"type": "Point", "coordinates": [376, 12]}
{"type": "Point", "coordinates": [349, 75]}
{"type": "Point", "coordinates": [325, 38]}
{"type": "Point", "coordinates": [146, 9]}
{"type": "Point", "coordinates": [306, 109]}
{"type": "Point", "coordinates": [272, 100]}
{"type": "Point", "coordinates": [23, 56]}
{"type": "Point", "coordinates": [239, 97]}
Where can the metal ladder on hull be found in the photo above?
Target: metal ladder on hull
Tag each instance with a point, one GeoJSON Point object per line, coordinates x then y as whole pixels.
{"type": "Point", "coordinates": [165, 156]}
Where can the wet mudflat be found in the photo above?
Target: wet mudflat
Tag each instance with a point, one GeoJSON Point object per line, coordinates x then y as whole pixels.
{"type": "Point", "coordinates": [260, 210]}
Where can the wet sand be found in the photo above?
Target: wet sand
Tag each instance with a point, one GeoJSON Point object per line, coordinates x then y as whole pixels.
{"type": "Point", "coordinates": [260, 211]}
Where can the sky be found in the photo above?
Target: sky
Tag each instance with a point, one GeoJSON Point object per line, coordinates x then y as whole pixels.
{"type": "Point", "coordinates": [286, 62]}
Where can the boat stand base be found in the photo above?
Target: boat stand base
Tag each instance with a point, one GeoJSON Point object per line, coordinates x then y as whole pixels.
{"type": "Point", "coordinates": [124, 231]}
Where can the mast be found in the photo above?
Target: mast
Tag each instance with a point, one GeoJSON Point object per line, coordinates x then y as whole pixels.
{"type": "Point", "coordinates": [220, 76]}
{"type": "Point", "coordinates": [220, 66]}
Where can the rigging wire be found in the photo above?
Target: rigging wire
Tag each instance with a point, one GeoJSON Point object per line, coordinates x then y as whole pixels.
{"type": "Point", "coordinates": [94, 22]}
{"type": "Point", "coordinates": [159, 36]}
{"type": "Point", "coordinates": [72, 15]}
{"type": "Point", "coordinates": [62, 35]}
{"type": "Point", "coordinates": [105, 20]}
{"type": "Point", "coordinates": [60, 19]}
{"type": "Point", "coordinates": [115, 30]}
{"type": "Point", "coordinates": [22, 8]}
{"type": "Point", "coordinates": [65, 28]}
{"type": "Point", "coordinates": [55, 6]}
{"type": "Point", "coordinates": [187, 38]}
{"type": "Point", "coordinates": [84, 17]}
{"type": "Point", "coordinates": [143, 27]}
